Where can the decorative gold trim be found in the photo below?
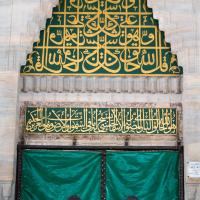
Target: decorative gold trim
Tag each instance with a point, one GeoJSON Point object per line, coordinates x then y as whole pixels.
{"type": "Point", "coordinates": [106, 75]}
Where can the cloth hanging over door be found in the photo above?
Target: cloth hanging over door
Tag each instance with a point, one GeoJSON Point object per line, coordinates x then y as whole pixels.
{"type": "Point", "coordinates": [143, 175]}
{"type": "Point", "coordinates": [59, 175]}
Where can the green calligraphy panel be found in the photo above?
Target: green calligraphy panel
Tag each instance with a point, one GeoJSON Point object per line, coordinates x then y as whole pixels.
{"type": "Point", "coordinates": [101, 120]}
{"type": "Point", "coordinates": [98, 37]}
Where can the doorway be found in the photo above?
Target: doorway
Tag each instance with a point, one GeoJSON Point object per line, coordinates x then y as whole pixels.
{"type": "Point", "coordinates": [96, 173]}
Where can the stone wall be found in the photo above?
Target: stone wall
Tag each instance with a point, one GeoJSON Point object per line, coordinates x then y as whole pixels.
{"type": "Point", "coordinates": [20, 24]}
{"type": "Point", "coordinates": [180, 21]}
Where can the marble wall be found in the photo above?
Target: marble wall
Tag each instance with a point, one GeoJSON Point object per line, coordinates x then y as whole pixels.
{"type": "Point", "coordinates": [20, 23]}
{"type": "Point", "coordinates": [180, 21]}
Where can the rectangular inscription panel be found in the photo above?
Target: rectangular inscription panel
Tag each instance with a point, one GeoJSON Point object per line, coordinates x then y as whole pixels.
{"type": "Point", "coordinates": [101, 120]}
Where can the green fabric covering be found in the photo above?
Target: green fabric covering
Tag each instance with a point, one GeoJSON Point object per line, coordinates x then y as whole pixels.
{"type": "Point", "coordinates": [146, 175]}
{"type": "Point", "coordinates": [57, 175]}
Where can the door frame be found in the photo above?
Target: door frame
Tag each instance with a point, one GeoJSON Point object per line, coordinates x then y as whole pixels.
{"type": "Point", "coordinates": [102, 149]}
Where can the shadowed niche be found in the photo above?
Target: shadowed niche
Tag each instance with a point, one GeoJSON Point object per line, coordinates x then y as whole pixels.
{"type": "Point", "coordinates": [74, 197]}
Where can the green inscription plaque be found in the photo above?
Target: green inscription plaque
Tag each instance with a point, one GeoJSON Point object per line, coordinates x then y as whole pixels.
{"type": "Point", "coordinates": [101, 120]}
{"type": "Point", "coordinates": [98, 37]}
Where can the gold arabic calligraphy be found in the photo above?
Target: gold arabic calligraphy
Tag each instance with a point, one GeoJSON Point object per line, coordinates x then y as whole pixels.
{"type": "Point", "coordinates": [101, 120]}
{"type": "Point", "coordinates": [102, 37]}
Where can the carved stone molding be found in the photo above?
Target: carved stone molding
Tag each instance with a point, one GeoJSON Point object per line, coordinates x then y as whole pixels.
{"type": "Point", "coordinates": [6, 190]}
{"type": "Point", "coordinates": [83, 84]}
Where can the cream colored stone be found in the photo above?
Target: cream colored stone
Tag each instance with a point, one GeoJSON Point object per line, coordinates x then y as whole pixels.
{"type": "Point", "coordinates": [20, 23]}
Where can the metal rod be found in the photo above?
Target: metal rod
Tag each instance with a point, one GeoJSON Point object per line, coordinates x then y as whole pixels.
{"type": "Point", "coordinates": [181, 174]}
{"type": "Point", "coordinates": [18, 173]}
{"type": "Point", "coordinates": [103, 175]}
{"type": "Point", "coordinates": [123, 148]}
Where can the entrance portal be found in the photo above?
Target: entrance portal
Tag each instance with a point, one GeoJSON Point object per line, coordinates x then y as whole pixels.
{"type": "Point", "coordinates": [95, 174]}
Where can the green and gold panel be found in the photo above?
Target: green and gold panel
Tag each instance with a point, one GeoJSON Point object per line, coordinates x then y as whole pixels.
{"type": "Point", "coordinates": [67, 120]}
{"type": "Point", "coordinates": [98, 37]}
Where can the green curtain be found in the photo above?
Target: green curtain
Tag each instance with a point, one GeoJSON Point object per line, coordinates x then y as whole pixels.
{"type": "Point", "coordinates": [57, 175]}
{"type": "Point", "coordinates": [145, 175]}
